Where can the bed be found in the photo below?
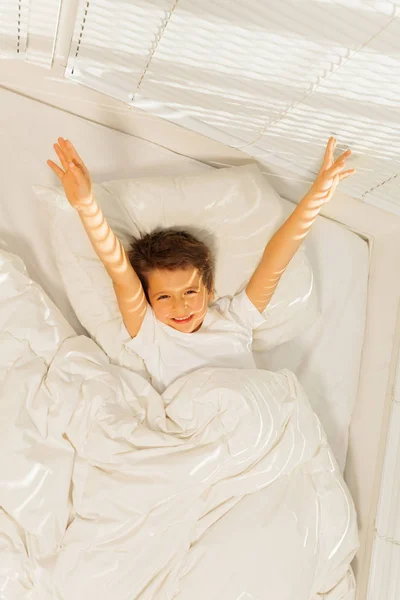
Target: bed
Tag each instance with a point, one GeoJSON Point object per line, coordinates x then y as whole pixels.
{"type": "Point", "coordinates": [359, 300]}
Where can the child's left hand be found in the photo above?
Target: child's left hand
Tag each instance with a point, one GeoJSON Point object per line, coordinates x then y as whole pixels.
{"type": "Point", "coordinates": [330, 174]}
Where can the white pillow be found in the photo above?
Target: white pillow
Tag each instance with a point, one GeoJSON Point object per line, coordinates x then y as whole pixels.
{"type": "Point", "coordinates": [234, 210]}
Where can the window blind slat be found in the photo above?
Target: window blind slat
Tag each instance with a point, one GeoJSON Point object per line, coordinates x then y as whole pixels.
{"type": "Point", "coordinates": [43, 25]}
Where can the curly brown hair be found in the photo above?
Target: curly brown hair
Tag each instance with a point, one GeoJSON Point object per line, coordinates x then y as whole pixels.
{"type": "Point", "coordinates": [170, 248]}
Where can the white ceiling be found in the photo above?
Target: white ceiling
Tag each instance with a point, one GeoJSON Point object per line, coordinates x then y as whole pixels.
{"type": "Point", "coordinates": [272, 78]}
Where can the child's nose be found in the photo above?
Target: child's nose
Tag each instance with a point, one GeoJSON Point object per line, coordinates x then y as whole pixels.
{"type": "Point", "coordinates": [179, 304]}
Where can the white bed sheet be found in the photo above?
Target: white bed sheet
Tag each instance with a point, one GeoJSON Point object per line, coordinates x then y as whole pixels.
{"type": "Point", "coordinates": [326, 359]}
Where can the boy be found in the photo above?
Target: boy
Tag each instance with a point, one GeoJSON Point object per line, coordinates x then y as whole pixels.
{"type": "Point", "coordinates": [164, 284]}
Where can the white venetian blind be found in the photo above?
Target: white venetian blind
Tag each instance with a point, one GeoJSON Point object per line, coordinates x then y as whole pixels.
{"type": "Point", "coordinates": [113, 42]}
{"type": "Point", "coordinates": [28, 30]}
{"type": "Point", "coordinates": [13, 28]}
{"type": "Point", "coordinates": [274, 79]}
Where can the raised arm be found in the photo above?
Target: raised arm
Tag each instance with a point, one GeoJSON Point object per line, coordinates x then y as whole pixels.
{"type": "Point", "coordinates": [286, 241]}
{"type": "Point", "coordinates": [127, 285]}
{"type": "Point", "coordinates": [78, 189]}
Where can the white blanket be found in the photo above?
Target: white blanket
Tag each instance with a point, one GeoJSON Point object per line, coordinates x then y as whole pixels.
{"type": "Point", "coordinates": [222, 488]}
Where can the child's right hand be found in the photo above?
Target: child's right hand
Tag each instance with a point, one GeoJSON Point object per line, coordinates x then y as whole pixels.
{"type": "Point", "coordinates": [75, 178]}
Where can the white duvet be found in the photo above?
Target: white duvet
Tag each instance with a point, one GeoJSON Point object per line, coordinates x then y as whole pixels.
{"type": "Point", "coordinates": [221, 488]}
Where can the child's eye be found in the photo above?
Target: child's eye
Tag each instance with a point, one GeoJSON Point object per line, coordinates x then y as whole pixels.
{"type": "Point", "coordinates": [188, 292]}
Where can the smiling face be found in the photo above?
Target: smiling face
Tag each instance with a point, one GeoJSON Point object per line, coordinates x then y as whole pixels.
{"type": "Point", "coordinates": [176, 295]}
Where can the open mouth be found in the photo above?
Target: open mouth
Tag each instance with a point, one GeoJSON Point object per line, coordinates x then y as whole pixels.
{"type": "Point", "coordinates": [185, 320]}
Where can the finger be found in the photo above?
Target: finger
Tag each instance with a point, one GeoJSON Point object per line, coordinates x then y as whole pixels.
{"type": "Point", "coordinates": [61, 156]}
{"type": "Point", "coordinates": [328, 158]}
{"type": "Point", "coordinates": [343, 156]}
{"type": "Point", "coordinates": [346, 174]}
{"type": "Point", "coordinates": [337, 167]}
{"type": "Point", "coordinates": [59, 172]}
{"type": "Point", "coordinates": [67, 152]}
{"type": "Point", "coordinates": [339, 162]}
{"type": "Point", "coordinates": [332, 149]}
{"type": "Point", "coordinates": [76, 172]}
{"type": "Point", "coordinates": [61, 142]}
{"type": "Point", "coordinates": [71, 149]}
